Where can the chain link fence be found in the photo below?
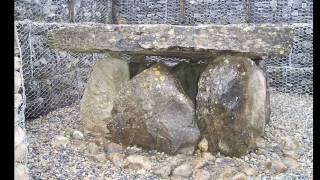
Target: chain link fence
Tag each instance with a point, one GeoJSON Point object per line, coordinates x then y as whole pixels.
{"type": "Point", "coordinates": [55, 79]}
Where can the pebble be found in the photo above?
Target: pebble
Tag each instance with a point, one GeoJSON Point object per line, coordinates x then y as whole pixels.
{"type": "Point", "coordinates": [227, 173]}
{"type": "Point", "coordinates": [20, 172]}
{"type": "Point", "coordinates": [113, 148]}
{"type": "Point", "coordinates": [208, 156]}
{"type": "Point", "coordinates": [203, 145]}
{"type": "Point", "coordinates": [101, 157]}
{"type": "Point", "coordinates": [184, 170]}
{"type": "Point", "coordinates": [139, 162]}
{"type": "Point", "coordinates": [199, 163]}
{"type": "Point", "coordinates": [290, 154]}
{"type": "Point", "coordinates": [19, 135]}
{"type": "Point", "coordinates": [277, 167]}
{"type": "Point", "coordinates": [59, 141]}
{"type": "Point", "coordinates": [200, 174]}
{"type": "Point", "coordinates": [117, 159]}
{"type": "Point", "coordinates": [163, 171]}
{"type": "Point", "coordinates": [77, 135]}
{"type": "Point", "coordinates": [20, 152]}
{"type": "Point", "coordinates": [291, 163]}
{"type": "Point", "coordinates": [93, 148]}
{"type": "Point", "coordinates": [239, 176]}
{"type": "Point", "coordinates": [249, 171]}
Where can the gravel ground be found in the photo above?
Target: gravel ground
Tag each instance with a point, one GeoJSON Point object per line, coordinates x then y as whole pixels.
{"type": "Point", "coordinates": [290, 134]}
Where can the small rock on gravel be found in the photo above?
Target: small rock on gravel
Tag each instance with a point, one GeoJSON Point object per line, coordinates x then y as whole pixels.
{"type": "Point", "coordinates": [290, 154]}
{"type": "Point", "coordinates": [289, 143]}
{"type": "Point", "coordinates": [227, 173]}
{"type": "Point", "coordinates": [20, 172]}
{"type": "Point", "coordinates": [20, 153]}
{"type": "Point", "coordinates": [201, 174]}
{"type": "Point", "coordinates": [184, 170]}
{"type": "Point", "coordinates": [277, 167]}
{"type": "Point", "coordinates": [59, 141]}
{"type": "Point", "coordinates": [138, 162]}
{"type": "Point", "coordinates": [249, 171]}
{"type": "Point", "coordinates": [77, 135]}
{"type": "Point", "coordinates": [92, 148]}
{"type": "Point", "coordinates": [101, 157]}
{"type": "Point", "coordinates": [113, 148]}
{"type": "Point", "coordinates": [208, 156]}
{"type": "Point", "coordinates": [199, 163]}
{"type": "Point", "coordinates": [117, 159]}
{"type": "Point", "coordinates": [163, 171]}
{"type": "Point", "coordinates": [203, 145]}
{"type": "Point", "coordinates": [239, 176]}
{"type": "Point", "coordinates": [291, 163]}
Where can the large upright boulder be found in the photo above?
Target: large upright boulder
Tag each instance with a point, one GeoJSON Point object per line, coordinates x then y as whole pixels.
{"type": "Point", "coordinates": [262, 65]}
{"type": "Point", "coordinates": [153, 111]}
{"type": "Point", "coordinates": [231, 105]}
{"type": "Point", "coordinates": [105, 81]}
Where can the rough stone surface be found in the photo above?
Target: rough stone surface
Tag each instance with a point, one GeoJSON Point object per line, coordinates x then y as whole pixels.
{"type": "Point", "coordinates": [117, 159]}
{"type": "Point", "coordinates": [60, 141]}
{"type": "Point", "coordinates": [291, 163]}
{"type": "Point", "coordinates": [239, 176]}
{"type": "Point", "coordinates": [20, 152]}
{"type": "Point", "coordinates": [278, 167]}
{"type": "Point", "coordinates": [59, 11]}
{"type": "Point", "coordinates": [227, 173]}
{"type": "Point", "coordinates": [104, 83]}
{"type": "Point", "coordinates": [199, 163]}
{"type": "Point", "coordinates": [152, 111]}
{"type": "Point", "coordinates": [77, 135]}
{"type": "Point", "coordinates": [113, 148]}
{"type": "Point", "coordinates": [203, 145]}
{"type": "Point", "coordinates": [201, 174]}
{"type": "Point", "coordinates": [20, 138]}
{"type": "Point", "coordinates": [184, 170]}
{"type": "Point", "coordinates": [157, 39]}
{"type": "Point", "coordinates": [231, 105]}
{"type": "Point", "coordinates": [163, 171]}
{"type": "Point", "coordinates": [139, 162]}
{"type": "Point", "coordinates": [20, 172]}
{"type": "Point", "coordinates": [249, 171]}
{"type": "Point", "coordinates": [92, 148]}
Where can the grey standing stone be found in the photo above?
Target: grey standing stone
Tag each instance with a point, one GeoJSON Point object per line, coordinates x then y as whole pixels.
{"type": "Point", "coordinates": [153, 111]}
{"type": "Point", "coordinates": [104, 83]}
{"type": "Point", "coordinates": [231, 105]}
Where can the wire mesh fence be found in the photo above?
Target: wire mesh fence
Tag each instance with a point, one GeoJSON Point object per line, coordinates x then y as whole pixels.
{"type": "Point", "coordinates": [55, 79]}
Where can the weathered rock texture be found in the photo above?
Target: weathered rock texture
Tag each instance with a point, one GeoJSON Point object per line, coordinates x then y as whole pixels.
{"type": "Point", "coordinates": [153, 111]}
{"type": "Point", "coordinates": [64, 11]}
{"type": "Point", "coordinates": [262, 65]}
{"type": "Point", "coordinates": [231, 105]}
{"type": "Point", "coordinates": [20, 139]}
{"type": "Point", "coordinates": [104, 83]}
{"type": "Point", "coordinates": [173, 40]}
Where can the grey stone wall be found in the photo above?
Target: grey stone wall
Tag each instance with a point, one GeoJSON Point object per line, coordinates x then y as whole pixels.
{"type": "Point", "coordinates": [59, 11]}
{"type": "Point", "coordinates": [20, 139]}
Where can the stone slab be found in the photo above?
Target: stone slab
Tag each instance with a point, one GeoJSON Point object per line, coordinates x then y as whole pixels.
{"type": "Point", "coordinates": [202, 41]}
